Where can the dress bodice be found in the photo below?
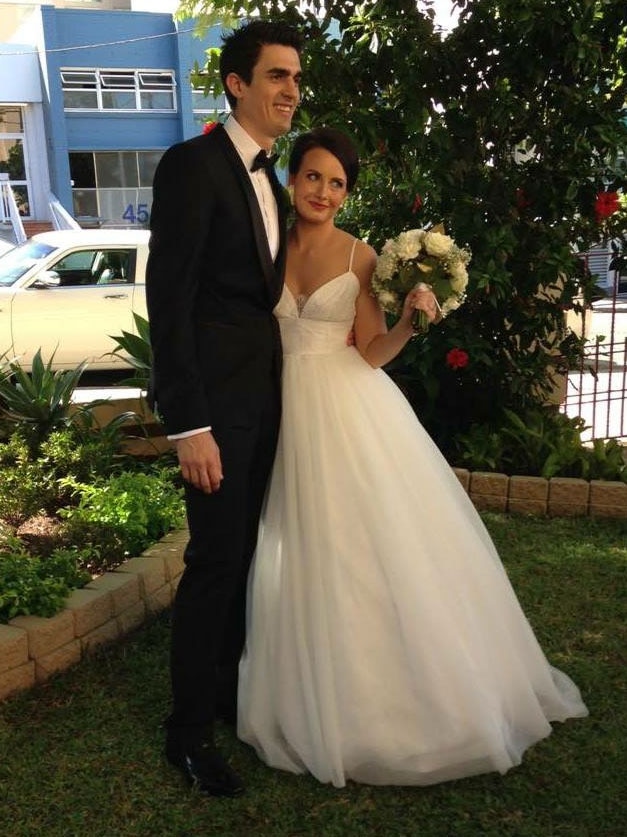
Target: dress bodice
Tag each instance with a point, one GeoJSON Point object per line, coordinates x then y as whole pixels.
{"type": "Point", "coordinates": [321, 322]}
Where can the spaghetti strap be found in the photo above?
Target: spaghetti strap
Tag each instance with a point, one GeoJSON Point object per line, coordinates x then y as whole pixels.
{"type": "Point", "coordinates": [350, 261]}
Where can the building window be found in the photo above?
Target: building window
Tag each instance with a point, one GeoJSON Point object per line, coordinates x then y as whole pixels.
{"type": "Point", "coordinates": [13, 156]}
{"type": "Point", "coordinates": [103, 89]}
{"type": "Point", "coordinates": [113, 188]}
{"type": "Point", "coordinates": [207, 108]}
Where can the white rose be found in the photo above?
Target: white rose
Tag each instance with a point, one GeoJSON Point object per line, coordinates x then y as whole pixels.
{"type": "Point", "coordinates": [437, 244]}
{"type": "Point", "coordinates": [459, 277]}
{"type": "Point", "coordinates": [409, 244]}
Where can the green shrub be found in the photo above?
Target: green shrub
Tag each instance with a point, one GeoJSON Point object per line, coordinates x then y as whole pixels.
{"type": "Point", "coordinates": [114, 518]}
{"type": "Point", "coordinates": [32, 486]}
{"type": "Point", "coordinates": [83, 456]}
{"type": "Point", "coordinates": [26, 487]}
{"type": "Point", "coordinates": [37, 586]}
{"type": "Point", "coordinates": [480, 449]}
{"type": "Point", "coordinates": [69, 564]}
{"type": "Point", "coordinates": [605, 460]}
{"type": "Point", "coordinates": [542, 442]}
{"type": "Point", "coordinates": [55, 456]}
{"type": "Point", "coordinates": [35, 486]}
{"type": "Point", "coordinates": [132, 509]}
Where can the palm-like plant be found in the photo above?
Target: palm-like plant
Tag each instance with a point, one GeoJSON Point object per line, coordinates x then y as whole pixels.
{"type": "Point", "coordinates": [137, 352]}
{"type": "Point", "coordinates": [41, 401]}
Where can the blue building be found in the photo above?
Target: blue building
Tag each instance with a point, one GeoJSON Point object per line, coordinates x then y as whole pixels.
{"type": "Point", "coordinates": [90, 98]}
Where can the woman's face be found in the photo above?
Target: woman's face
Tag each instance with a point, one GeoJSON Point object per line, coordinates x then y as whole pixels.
{"type": "Point", "coordinates": [319, 186]}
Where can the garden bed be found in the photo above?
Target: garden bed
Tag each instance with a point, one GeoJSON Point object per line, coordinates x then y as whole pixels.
{"type": "Point", "coordinates": [33, 648]}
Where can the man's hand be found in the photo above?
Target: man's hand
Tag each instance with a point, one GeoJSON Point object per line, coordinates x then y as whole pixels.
{"type": "Point", "coordinates": [199, 458]}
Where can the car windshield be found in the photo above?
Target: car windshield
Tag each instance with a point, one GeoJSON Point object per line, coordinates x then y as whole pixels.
{"type": "Point", "coordinates": [17, 261]}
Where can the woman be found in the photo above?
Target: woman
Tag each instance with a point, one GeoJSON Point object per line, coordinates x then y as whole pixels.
{"type": "Point", "coordinates": [385, 643]}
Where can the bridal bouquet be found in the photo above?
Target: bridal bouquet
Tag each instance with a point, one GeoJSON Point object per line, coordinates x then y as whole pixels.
{"type": "Point", "coordinates": [419, 257]}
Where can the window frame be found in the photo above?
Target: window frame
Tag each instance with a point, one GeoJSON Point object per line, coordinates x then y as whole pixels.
{"type": "Point", "coordinates": [14, 137]}
{"type": "Point", "coordinates": [102, 81]}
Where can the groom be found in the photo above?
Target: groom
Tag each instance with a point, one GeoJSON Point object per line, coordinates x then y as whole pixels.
{"type": "Point", "coordinates": [215, 273]}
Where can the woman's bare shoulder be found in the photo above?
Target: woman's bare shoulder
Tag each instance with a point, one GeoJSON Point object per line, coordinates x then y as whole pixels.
{"type": "Point", "coordinates": [364, 259]}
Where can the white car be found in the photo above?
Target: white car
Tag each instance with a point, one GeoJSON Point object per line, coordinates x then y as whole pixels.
{"type": "Point", "coordinates": [68, 291]}
{"type": "Point", "coordinates": [5, 246]}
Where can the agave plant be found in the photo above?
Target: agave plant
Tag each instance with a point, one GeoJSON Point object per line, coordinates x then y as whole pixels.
{"type": "Point", "coordinates": [137, 352]}
{"type": "Point", "coordinates": [40, 401]}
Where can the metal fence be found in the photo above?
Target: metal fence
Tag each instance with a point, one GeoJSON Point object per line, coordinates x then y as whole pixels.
{"type": "Point", "coordinates": [597, 390]}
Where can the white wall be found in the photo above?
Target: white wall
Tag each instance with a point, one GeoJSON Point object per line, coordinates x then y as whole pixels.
{"type": "Point", "coordinates": [19, 74]}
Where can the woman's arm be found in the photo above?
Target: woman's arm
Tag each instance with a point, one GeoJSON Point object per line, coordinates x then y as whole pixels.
{"type": "Point", "coordinates": [374, 342]}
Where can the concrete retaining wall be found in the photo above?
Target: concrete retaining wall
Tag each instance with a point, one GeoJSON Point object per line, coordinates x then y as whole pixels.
{"type": "Point", "coordinates": [557, 497]}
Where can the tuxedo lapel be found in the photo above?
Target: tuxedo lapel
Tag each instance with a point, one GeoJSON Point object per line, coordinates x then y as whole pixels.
{"type": "Point", "coordinates": [272, 271]}
{"type": "Point", "coordinates": [282, 202]}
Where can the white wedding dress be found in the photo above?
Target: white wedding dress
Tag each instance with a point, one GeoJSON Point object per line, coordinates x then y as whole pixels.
{"type": "Point", "coordinates": [384, 643]}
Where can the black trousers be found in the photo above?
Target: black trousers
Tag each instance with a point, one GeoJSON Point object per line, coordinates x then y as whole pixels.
{"type": "Point", "coordinates": [209, 613]}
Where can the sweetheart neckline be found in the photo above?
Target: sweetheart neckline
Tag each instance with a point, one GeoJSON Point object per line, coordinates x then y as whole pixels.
{"type": "Point", "coordinates": [307, 298]}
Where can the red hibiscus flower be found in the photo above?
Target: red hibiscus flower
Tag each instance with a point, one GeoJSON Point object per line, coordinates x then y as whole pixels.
{"type": "Point", "coordinates": [208, 127]}
{"type": "Point", "coordinates": [457, 358]}
{"type": "Point", "coordinates": [417, 203]}
{"type": "Point", "coordinates": [605, 205]}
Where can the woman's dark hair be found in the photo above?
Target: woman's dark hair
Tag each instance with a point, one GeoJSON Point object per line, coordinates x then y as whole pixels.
{"type": "Point", "coordinates": [333, 141]}
{"type": "Point", "coordinates": [241, 48]}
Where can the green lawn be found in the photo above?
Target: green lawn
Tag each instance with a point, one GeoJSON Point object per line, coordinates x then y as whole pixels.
{"type": "Point", "coordinates": [82, 754]}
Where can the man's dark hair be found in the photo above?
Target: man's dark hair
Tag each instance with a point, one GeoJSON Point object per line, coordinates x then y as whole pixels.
{"type": "Point", "coordinates": [333, 141]}
{"type": "Point", "coordinates": [241, 48]}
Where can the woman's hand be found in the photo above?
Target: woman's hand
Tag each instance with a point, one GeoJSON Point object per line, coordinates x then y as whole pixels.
{"type": "Point", "coordinates": [421, 298]}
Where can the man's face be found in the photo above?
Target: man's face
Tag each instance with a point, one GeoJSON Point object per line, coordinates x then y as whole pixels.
{"type": "Point", "coordinates": [265, 106]}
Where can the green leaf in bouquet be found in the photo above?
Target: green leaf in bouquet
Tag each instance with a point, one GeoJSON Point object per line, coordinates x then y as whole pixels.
{"type": "Point", "coordinates": [409, 275]}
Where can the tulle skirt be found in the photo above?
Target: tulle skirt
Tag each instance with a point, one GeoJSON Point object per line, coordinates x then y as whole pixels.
{"type": "Point", "coordinates": [385, 643]}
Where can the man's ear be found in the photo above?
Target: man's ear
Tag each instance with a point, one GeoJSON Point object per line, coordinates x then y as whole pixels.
{"type": "Point", "coordinates": [234, 85]}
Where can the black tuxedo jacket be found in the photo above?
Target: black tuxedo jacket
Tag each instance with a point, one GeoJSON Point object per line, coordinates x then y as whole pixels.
{"type": "Point", "coordinates": [211, 286]}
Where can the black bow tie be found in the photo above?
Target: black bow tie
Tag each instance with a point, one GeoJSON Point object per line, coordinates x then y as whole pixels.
{"type": "Point", "coordinates": [263, 161]}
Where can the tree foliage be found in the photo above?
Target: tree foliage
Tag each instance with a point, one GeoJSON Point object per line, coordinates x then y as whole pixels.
{"type": "Point", "coordinates": [505, 130]}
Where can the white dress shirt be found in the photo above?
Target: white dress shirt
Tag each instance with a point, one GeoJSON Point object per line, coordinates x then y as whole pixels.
{"type": "Point", "coordinates": [248, 149]}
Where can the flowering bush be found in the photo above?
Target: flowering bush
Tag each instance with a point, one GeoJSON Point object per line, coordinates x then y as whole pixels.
{"type": "Point", "coordinates": [454, 143]}
{"type": "Point", "coordinates": [457, 358]}
{"type": "Point", "coordinates": [417, 256]}
{"type": "Point", "coordinates": [605, 205]}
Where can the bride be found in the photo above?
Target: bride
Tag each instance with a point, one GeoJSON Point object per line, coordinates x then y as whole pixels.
{"type": "Point", "coordinates": [385, 643]}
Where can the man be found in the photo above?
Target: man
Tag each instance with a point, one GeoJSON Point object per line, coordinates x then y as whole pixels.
{"type": "Point", "coordinates": [215, 273]}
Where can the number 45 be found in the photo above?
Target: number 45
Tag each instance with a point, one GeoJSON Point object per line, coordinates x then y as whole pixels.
{"type": "Point", "coordinates": [139, 216]}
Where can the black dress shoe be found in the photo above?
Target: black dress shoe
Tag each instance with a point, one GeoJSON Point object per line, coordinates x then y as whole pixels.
{"type": "Point", "coordinates": [204, 769]}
